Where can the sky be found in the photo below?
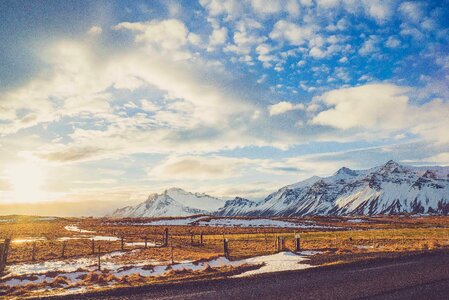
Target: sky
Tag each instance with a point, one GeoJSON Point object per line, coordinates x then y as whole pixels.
{"type": "Point", "coordinates": [105, 102]}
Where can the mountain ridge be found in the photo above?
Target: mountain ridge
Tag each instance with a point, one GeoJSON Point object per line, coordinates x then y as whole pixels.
{"type": "Point", "coordinates": [391, 188]}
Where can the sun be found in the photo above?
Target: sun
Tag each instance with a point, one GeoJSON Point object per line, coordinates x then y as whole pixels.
{"type": "Point", "coordinates": [26, 180]}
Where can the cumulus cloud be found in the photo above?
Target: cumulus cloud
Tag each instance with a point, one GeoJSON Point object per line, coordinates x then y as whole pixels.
{"type": "Point", "coordinates": [95, 31]}
{"type": "Point", "coordinates": [198, 168]}
{"type": "Point", "coordinates": [283, 107]}
{"type": "Point", "coordinates": [369, 106]}
{"type": "Point", "coordinates": [392, 42]}
{"type": "Point", "coordinates": [377, 107]}
{"type": "Point", "coordinates": [369, 45]}
{"type": "Point", "coordinates": [411, 11]}
{"type": "Point", "coordinates": [291, 33]}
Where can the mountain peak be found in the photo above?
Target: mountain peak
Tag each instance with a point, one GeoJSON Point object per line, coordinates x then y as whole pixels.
{"type": "Point", "coordinates": [390, 166]}
{"type": "Point", "coordinates": [175, 190]}
{"type": "Point", "coordinates": [346, 171]}
{"type": "Point", "coordinates": [391, 163]}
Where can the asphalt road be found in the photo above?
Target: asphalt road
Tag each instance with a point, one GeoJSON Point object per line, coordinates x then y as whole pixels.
{"type": "Point", "coordinates": [424, 276]}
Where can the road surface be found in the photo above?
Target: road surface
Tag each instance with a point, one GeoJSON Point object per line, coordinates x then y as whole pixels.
{"type": "Point", "coordinates": [424, 276]}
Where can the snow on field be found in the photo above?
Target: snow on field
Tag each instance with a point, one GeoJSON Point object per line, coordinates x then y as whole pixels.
{"type": "Point", "coordinates": [356, 221]}
{"type": "Point", "coordinates": [173, 222]}
{"type": "Point", "coordinates": [46, 218]}
{"type": "Point", "coordinates": [28, 240]}
{"type": "Point", "coordinates": [254, 223]}
{"type": "Point", "coordinates": [283, 261]}
{"type": "Point", "coordinates": [228, 222]}
{"type": "Point", "coordinates": [67, 265]}
{"type": "Point", "coordinates": [77, 229]}
{"type": "Point", "coordinates": [75, 270]}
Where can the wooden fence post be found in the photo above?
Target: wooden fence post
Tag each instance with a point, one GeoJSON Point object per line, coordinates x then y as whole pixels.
{"type": "Point", "coordinates": [122, 243]}
{"type": "Point", "coordinates": [4, 248]}
{"type": "Point", "coordinates": [280, 244]}
{"type": "Point", "coordinates": [33, 252]}
{"type": "Point", "coordinates": [225, 248]}
{"type": "Point", "coordinates": [63, 249]}
{"type": "Point", "coordinates": [171, 253]}
{"type": "Point", "coordinates": [93, 246]}
{"type": "Point", "coordinates": [146, 242]}
{"type": "Point", "coordinates": [166, 237]}
{"type": "Point", "coordinates": [297, 243]}
{"type": "Point", "coordinates": [99, 259]}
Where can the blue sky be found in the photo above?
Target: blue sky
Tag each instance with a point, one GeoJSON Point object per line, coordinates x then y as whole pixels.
{"type": "Point", "coordinates": [112, 100]}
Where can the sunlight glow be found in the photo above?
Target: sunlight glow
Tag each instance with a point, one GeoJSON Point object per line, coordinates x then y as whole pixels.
{"type": "Point", "coordinates": [26, 179]}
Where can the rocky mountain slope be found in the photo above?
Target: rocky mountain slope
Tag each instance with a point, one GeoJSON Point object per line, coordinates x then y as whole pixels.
{"type": "Point", "coordinates": [388, 189]}
{"type": "Point", "coordinates": [173, 202]}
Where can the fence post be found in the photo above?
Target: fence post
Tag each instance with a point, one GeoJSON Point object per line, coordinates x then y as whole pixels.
{"type": "Point", "coordinates": [166, 237]}
{"type": "Point", "coordinates": [4, 254]}
{"type": "Point", "coordinates": [122, 242]}
{"type": "Point", "coordinates": [93, 246]}
{"type": "Point", "coordinates": [280, 244]}
{"type": "Point", "coordinates": [33, 252]}
{"type": "Point", "coordinates": [297, 243]}
{"type": "Point", "coordinates": [146, 242]}
{"type": "Point", "coordinates": [171, 253]}
{"type": "Point", "coordinates": [99, 259]}
{"type": "Point", "coordinates": [63, 249]}
{"type": "Point", "coordinates": [225, 248]}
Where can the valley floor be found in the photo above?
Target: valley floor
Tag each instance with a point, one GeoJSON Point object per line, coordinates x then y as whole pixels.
{"type": "Point", "coordinates": [57, 256]}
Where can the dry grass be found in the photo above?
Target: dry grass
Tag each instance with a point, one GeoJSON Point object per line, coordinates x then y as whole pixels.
{"type": "Point", "coordinates": [381, 234]}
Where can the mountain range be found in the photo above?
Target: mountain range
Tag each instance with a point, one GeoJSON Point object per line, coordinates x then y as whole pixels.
{"type": "Point", "coordinates": [387, 189]}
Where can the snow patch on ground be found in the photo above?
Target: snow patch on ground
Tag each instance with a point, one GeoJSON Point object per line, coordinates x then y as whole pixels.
{"type": "Point", "coordinates": [75, 228]}
{"type": "Point", "coordinates": [356, 221]}
{"type": "Point", "coordinates": [255, 223]}
{"type": "Point", "coordinates": [28, 240]}
{"type": "Point", "coordinates": [173, 222]}
{"type": "Point", "coordinates": [75, 270]}
{"type": "Point", "coordinates": [283, 261]}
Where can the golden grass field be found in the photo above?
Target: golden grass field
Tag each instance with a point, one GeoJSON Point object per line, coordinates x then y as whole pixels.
{"type": "Point", "coordinates": [373, 235]}
{"type": "Point", "coordinates": [338, 240]}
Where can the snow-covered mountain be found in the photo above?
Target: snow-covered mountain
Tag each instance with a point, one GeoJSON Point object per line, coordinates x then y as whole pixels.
{"type": "Point", "coordinates": [236, 207]}
{"type": "Point", "coordinates": [388, 189]}
{"type": "Point", "coordinates": [173, 202]}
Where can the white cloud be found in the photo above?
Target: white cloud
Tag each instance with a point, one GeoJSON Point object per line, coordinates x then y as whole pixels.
{"type": "Point", "coordinates": [384, 108]}
{"type": "Point", "coordinates": [328, 3]}
{"type": "Point", "coordinates": [393, 42]}
{"type": "Point", "coordinates": [169, 34]}
{"type": "Point", "coordinates": [231, 8]}
{"type": "Point", "coordinates": [306, 3]}
{"type": "Point", "coordinates": [411, 11]}
{"type": "Point", "coordinates": [218, 37]}
{"type": "Point", "coordinates": [148, 105]}
{"type": "Point", "coordinates": [95, 31]}
{"type": "Point", "coordinates": [283, 107]}
{"type": "Point", "coordinates": [291, 33]}
{"type": "Point", "coordinates": [197, 168]}
{"type": "Point", "coordinates": [369, 46]}
{"type": "Point", "coordinates": [266, 6]}
{"type": "Point", "coordinates": [380, 10]}
{"type": "Point", "coordinates": [316, 52]}
{"type": "Point", "coordinates": [369, 106]}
